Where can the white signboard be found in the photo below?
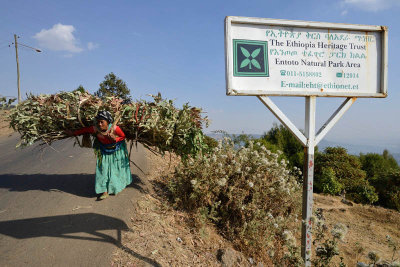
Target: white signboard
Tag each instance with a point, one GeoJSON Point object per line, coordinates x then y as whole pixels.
{"type": "Point", "coordinates": [299, 58]}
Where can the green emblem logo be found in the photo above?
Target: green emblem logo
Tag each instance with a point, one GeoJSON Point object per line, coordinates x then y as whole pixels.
{"type": "Point", "coordinates": [250, 58]}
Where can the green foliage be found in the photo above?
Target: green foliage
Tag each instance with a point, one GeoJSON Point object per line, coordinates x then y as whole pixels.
{"type": "Point", "coordinates": [326, 182]}
{"type": "Point", "coordinates": [159, 124]}
{"type": "Point", "coordinates": [363, 178]}
{"type": "Point", "coordinates": [113, 86]}
{"type": "Point", "coordinates": [4, 103]}
{"type": "Point", "coordinates": [376, 165]}
{"type": "Point", "coordinates": [271, 147]}
{"type": "Point", "coordinates": [247, 193]}
{"type": "Point", "coordinates": [347, 171]}
{"type": "Point", "coordinates": [388, 187]}
{"type": "Point", "coordinates": [364, 193]}
{"type": "Point", "coordinates": [210, 142]}
{"type": "Point", "coordinates": [240, 139]}
{"type": "Point", "coordinates": [383, 173]}
{"type": "Point", "coordinates": [394, 200]}
{"type": "Point", "coordinates": [347, 167]}
{"type": "Point", "coordinates": [80, 89]}
{"type": "Point", "coordinates": [371, 178]}
{"type": "Point", "coordinates": [285, 141]}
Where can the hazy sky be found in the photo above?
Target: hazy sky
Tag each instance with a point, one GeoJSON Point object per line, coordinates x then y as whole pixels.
{"type": "Point", "coordinates": [177, 48]}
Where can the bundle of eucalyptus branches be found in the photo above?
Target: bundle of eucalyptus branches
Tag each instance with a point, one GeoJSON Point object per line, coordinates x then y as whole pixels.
{"type": "Point", "coordinates": [157, 124]}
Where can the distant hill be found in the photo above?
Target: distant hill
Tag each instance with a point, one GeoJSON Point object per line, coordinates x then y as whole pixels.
{"type": "Point", "coordinates": [357, 149]}
{"type": "Point", "coordinates": [219, 136]}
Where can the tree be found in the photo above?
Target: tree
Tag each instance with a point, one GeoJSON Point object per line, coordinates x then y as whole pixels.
{"type": "Point", "coordinates": [282, 138]}
{"type": "Point", "coordinates": [80, 89]}
{"type": "Point", "coordinates": [210, 142]}
{"type": "Point", "coordinates": [376, 165]}
{"type": "Point", "coordinates": [4, 104]}
{"type": "Point", "coordinates": [347, 171]}
{"type": "Point", "coordinates": [326, 182]}
{"type": "Point", "coordinates": [113, 86]}
{"type": "Point", "coordinates": [383, 173]}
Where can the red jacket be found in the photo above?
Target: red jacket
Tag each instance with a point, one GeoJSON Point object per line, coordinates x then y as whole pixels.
{"type": "Point", "coordinates": [102, 138]}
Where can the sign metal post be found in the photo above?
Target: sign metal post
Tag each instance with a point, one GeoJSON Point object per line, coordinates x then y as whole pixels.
{"type": "Point", "coordinates": [308, 179]}
{"type": "Point", "coordinates": [309, 141]}
{"type": "Point", "coordinates": [269, 57]}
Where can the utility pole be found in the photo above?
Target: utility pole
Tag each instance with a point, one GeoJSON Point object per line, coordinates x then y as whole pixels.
{"type": "Point", "coordinates": [16, 56]}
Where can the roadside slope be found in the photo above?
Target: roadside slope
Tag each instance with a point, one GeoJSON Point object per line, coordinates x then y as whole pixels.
{"type": "Point", "coordinates": [169, 237]}
{"type": "Point", "coordinates": [368, 227]}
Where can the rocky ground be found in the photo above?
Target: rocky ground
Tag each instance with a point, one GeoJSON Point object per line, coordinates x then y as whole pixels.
{"type": "Point", "coordinates": [368, 227]}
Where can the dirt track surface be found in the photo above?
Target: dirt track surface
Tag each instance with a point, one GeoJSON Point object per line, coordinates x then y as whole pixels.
{"type": "Point", "coordinates": [48, 212]}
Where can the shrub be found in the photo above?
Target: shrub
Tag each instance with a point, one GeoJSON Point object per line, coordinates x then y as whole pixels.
{"type": "Point", "coordinates": [376, 165]}
{"type": "Point", "coordinates": [6, 104]}
{"type": "Point", "coordinates": [250, 196]}
{"type": "Point", "coordinates": [388, 188]}
{"type": "Point", "coordinates": [326, 243]}
{"type": "Point", "coordinates": [210, 142]}
{"type": "Point", "coordinates": [327, 183]}
{"type": "Point", "coordinates": [394, 201]}
{"type": "Point", "coordinates": [282, 138]}
{"type": "Point", "coordinates": [364, 193]}
{"type": "Point", "coordinates": [348, 173]}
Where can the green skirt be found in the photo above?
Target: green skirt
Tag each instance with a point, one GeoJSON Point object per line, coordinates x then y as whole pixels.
{"type": "Point", "coordinates": [113, 172]}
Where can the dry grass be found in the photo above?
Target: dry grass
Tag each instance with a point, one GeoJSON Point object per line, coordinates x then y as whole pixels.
{"type": "Point", "coordinates": [368, 226]}
{"type": "Point", "coordinates": [162, 236]}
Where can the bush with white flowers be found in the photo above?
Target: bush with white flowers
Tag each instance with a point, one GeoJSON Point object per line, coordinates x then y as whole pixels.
{"type": "Point", "coordinates": [252, 198]}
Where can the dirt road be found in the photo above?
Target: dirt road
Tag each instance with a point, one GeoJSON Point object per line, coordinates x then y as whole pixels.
{"type": "Point", "coordinates": [48, 212]}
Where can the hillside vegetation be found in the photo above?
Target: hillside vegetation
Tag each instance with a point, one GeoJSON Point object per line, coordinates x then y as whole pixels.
{"type": "Point", "coordinates": [246, 200]}
{"type": "Point", "coordinates": [368, 178]}
{"type": "Point", "coordinates": [157, 229]}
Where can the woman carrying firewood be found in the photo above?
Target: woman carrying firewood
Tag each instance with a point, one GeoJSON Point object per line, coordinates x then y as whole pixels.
{"type": "Point", "coordinates": [113, 173]}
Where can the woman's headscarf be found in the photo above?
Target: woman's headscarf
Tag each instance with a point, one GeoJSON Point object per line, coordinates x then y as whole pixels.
{"type": "Point", "coordinates": [104, 115]}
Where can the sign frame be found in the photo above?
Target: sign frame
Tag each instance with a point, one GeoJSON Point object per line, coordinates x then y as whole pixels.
{"type": "Point", "coordinates": [309, 138]}
{"type": "Point", "coordinates": [230, 90]}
